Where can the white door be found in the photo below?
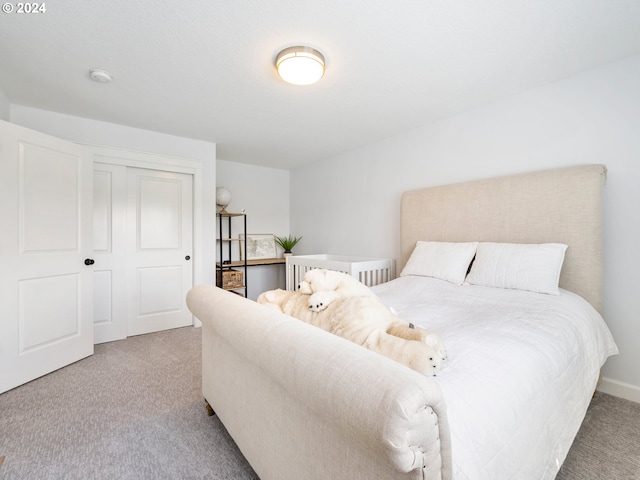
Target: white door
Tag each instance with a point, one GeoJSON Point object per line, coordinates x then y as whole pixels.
{"type": "Point", "coordinates": [46, 227]}
{"type": "Point", "coordinates": [109, 242]}
{"type": "Point", "coordinates": [159, 249]}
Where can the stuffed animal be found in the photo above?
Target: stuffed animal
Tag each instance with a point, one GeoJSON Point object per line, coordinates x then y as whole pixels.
{"type": "Point", "coordinates": [326, 286]}
{"type": "Point", "coordinates": [365, 320]}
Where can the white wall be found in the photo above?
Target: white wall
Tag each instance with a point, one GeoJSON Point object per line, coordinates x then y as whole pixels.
{"type": "Point", "coordinates": [264, 194]}
{"type": "Point", "coordinates": [82, 130]}
{"type": "Point", "coordinates": [5, 107]}
{"type": "Point", "coordinates": [349, 204]}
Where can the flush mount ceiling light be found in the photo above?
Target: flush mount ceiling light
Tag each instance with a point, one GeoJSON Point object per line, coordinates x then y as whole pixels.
{"type": "Point", "coordinates": [300, 65]}
{"type": "Point", "coordinates": [99, 75]}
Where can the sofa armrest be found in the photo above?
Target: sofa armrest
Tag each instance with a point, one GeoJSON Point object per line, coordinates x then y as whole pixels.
{"type": "Point", "coordinates": [392, 412]}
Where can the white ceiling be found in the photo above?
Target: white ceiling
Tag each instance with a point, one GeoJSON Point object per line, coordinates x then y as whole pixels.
{"type": "Point", "coordinates": [203, 69]}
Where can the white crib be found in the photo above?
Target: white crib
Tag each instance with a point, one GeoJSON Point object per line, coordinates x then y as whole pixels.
{"type": "Point", "coordinates": [370, 271]}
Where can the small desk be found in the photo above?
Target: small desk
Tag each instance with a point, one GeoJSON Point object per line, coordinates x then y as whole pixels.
{"type": "Point", "coordinates": [251, 263]}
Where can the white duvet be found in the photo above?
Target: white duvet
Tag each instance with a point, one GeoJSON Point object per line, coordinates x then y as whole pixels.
{"type": "Point", "coordinates": [520, 372]}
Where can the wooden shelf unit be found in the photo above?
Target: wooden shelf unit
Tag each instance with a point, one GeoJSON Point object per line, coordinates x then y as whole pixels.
{"type": "Point", "coordinates": [225, 239]}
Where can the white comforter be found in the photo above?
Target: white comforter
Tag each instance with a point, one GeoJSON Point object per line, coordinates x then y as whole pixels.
{"type": "Point", "coordinates": [520, 371]}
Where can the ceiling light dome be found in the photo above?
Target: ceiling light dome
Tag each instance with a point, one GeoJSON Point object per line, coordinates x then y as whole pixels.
{"type": "Point", "coordinates": [300, 65]}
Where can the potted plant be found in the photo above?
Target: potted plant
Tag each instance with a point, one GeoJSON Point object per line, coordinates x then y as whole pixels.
{"type": "Point", "coordinates": [287, 243]}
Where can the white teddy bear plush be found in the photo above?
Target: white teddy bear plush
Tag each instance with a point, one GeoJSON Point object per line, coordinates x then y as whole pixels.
{"type": "Point", "coordinates": [326, 286]}
{"type": "Point", "coordinates": [365, 320]}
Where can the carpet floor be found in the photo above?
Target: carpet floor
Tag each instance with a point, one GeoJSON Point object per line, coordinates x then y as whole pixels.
{"type": "Point", "coordinates": [134, 410]}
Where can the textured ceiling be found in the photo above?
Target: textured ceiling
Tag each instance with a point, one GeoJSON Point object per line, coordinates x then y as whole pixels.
{"type": "Point", "coordinates": [204, 68]}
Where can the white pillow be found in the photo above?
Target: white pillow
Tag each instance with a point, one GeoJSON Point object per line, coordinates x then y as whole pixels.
{"type": "Point", "coordinates": [443, 260]}
{"type": "Point", "coordinates": [518, 266]}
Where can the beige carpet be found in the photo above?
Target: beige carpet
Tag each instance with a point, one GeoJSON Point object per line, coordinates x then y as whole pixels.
{"type": "Point", "coordinates": [607, 446]}
{"type": "Point", "coordinates": [134, 410]}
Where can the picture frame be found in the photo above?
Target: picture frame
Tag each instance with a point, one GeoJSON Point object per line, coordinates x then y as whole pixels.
{"type": "Point", "coordinates": [259, 246]}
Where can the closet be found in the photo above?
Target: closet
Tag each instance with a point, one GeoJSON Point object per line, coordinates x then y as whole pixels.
{"type": "Point", "coordinates": [142, 237]}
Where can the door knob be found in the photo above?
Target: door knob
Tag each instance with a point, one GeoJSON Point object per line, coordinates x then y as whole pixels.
{"type": "Point", "coordinates": [89, 261]}
{"type": "Point", "coordinates": [187, 257]}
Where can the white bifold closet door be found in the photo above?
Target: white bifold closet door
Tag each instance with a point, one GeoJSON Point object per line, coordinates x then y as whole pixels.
{"type": "Point", "coordinates": [46, 273]}
{"type": "Point", "coordinates": [143, 240]}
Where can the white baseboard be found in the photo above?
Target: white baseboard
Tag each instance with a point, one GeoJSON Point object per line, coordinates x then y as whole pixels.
{"type": "Point", "coordinates": [620, 389]}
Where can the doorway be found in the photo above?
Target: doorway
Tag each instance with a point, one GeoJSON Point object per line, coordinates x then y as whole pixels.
{"type": "Point", "coordinates": [47, 254]}
{"type": "Point", "coordinates": [46, 282]}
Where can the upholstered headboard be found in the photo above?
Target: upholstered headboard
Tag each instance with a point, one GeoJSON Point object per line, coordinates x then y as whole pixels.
{"type": "Point", "coordinates": [562, 205]}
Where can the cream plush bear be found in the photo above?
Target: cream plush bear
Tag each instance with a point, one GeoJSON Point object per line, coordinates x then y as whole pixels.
{"type": "Point", "coordinates": [326, 286]}
{"type": "Point", "coordinates": [365, 320]}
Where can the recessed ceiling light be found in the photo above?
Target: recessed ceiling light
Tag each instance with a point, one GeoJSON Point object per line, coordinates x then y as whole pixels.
{"type": "Point", "coordinates": [99, 75]}
{"type": "Point", "coordinates": [300, 65]}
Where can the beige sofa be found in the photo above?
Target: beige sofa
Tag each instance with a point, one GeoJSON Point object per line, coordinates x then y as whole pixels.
{"type": "Point", "coordinates": [304, 404]}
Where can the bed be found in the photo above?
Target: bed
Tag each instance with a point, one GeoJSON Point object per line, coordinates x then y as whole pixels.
{"type": "Point", "coordinates": [521, 368]}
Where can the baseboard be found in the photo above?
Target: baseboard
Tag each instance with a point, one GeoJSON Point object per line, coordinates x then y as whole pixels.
{"type": "Point", "coordinates": [620, 389]}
